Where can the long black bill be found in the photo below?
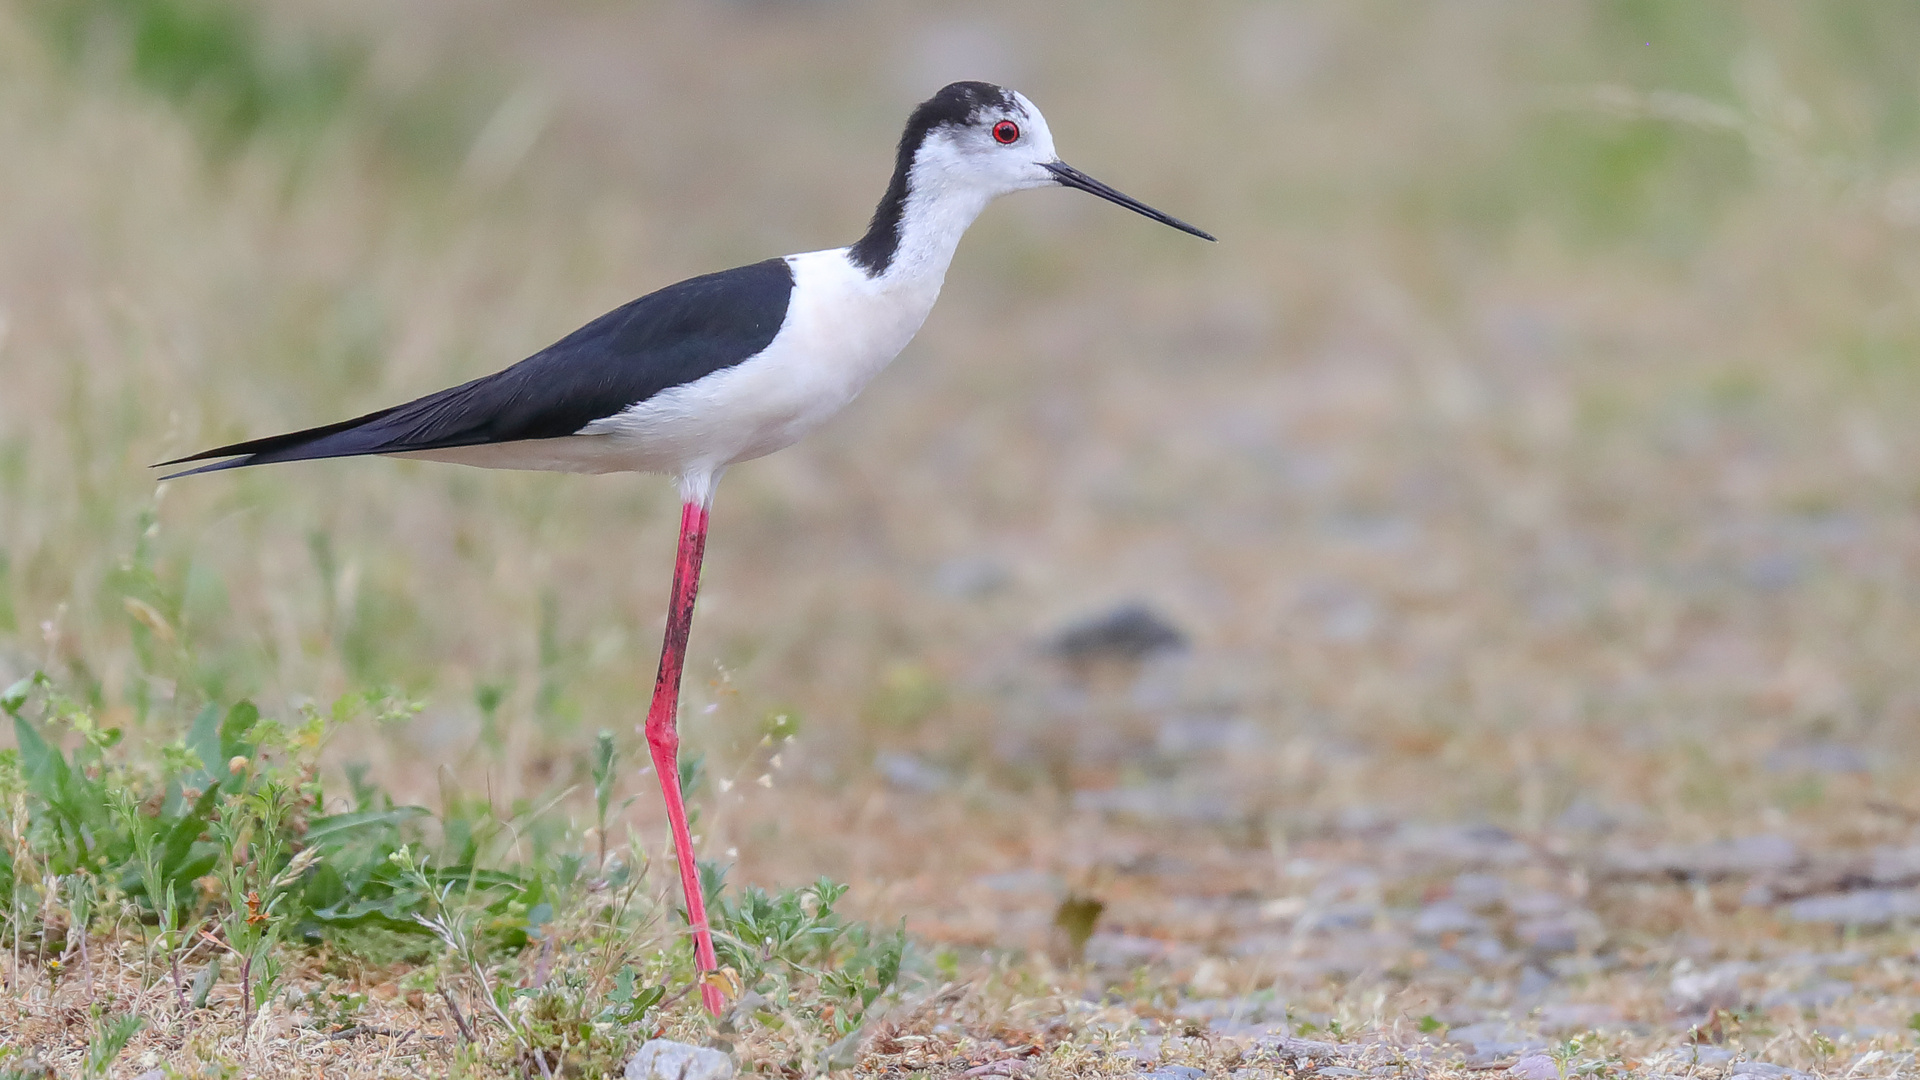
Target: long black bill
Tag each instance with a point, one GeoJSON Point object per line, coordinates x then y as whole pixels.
{"type": "Point", "coordinates": [1074, 178]}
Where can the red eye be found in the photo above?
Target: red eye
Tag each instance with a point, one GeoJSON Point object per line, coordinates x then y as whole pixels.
{"type": "Point", "coordinates": [1005, 132]}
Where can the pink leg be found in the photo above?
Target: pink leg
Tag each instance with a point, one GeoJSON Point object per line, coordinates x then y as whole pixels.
{"type": "Point", "coordinates": [664, 741]}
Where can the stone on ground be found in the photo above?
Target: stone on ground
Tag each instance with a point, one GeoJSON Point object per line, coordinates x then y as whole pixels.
{"type": "Point", "coordinates": [664, 1059]}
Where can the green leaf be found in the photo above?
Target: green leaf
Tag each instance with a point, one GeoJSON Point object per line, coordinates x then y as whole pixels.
{"type": "Point", "coordinates": [233, 731]}
{"type": "Point", "coordinates": [42, 765]}
{"type": "Point", "coordinates": [325, 888]}
{"type": "Point", "coordinates": [341, 828]}
{"type": "Point", "coordinates": [893, 953]}
{"type": "Point", "coordinates": [603, 773]}
{"type": "Point", "coordinates": [642, 1000]}
{"type": "Point", "coordinates": [713, 881]}
{"type": "Point", "coordinates": [192, 869]}
{"type": "Point", "coordinates": [72, 800]}
{"type": "Point", "coordinates": [203, 740]}
{"type": "Point", "coordinates": [177, 863]}
{"type": "Point", "coordinates": [396, 912]}
{"type": "Point", "coordinates": [13, 697]}
{"type": "Point", "coordinates": [203, 983]}
{"type": "Point", "coordinates": [111, 1035]}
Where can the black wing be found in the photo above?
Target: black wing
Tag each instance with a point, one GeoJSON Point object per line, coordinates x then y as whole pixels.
{"type": "Point", "coordinates": [677, 335]}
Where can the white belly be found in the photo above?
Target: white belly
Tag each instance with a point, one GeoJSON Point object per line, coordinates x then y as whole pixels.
{"type": "Point", "coordinates": [841, 328]}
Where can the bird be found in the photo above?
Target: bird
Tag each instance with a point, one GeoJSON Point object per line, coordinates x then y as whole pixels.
{"type": "Point", "coordinates": [720, 369]}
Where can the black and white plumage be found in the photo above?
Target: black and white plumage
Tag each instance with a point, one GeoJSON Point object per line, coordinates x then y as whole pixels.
{"type": "Point", "coordinates": [724, 368]}
{"type": "Point", "coordinates": [674, 337]}
{"type": "Point", "coordinates": [733, 365]}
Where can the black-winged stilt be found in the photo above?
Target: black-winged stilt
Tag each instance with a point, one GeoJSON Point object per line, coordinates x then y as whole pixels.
{"type": "Point", "coordinates": [724, 368]}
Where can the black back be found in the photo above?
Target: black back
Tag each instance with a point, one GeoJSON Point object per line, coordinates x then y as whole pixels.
{"type": "Point", "coordinates": [669, 338]}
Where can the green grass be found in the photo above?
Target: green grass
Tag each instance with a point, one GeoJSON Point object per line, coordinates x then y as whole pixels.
{"type": "Point", "coordinates": [235, 832]}
{"type": "Point", "coordinates": [211, 59]}
{"type": "Point", "coordinates": [219, 836]}
{"type": "Point", "coordinates": [242, 77]}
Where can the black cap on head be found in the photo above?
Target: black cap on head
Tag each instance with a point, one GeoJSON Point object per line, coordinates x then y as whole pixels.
{"type": "Point", "coordinates": [957, 104]}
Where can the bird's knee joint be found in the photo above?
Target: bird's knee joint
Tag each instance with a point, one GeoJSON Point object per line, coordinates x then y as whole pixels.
{"type": "Point", "coordinates": [663, 740]}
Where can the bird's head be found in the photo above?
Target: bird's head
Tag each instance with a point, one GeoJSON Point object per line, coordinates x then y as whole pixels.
{"type": "Point", "coordinates": [993, 140]}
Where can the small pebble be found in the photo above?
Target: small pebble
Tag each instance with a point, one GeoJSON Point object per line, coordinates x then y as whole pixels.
{"type": "Point", "coordinates": [1535, 1067]}
{"type": "Point", "coordinates": [1866, 907]}
{"type": "Point", "coordinates": [1704, 991]}
{"type": "Point", "coordinates": [1569, 1017]}
{"type": "Point", "coordinates": [1896, 866]}
{"type": "Point", "coordinates": [1533, 983]}
{"type": "Point", "coordinates": [970, 578]}
{"type": "Point", "coordinates": [1815, 996]}
{"type": "Point", "coordinates": [1550, 935]}
{"type": "Point", "coordinates": [1764, 1071]}
{"type": "Point", "coordinates": [1481, 1035]}
{"type": "Point", "coordinates": [1760, 853]}
{"type": "Point", "coordinates": [1446, 917]}
{"type": "Point", "coordinates": [1478, 891]}
{"type": "Point", "coordinates": [663, 1059]}
{"type": "Point", "coordinates": [1537, 905]}
{"type": "Point", "coordinates": [905, 772]}
{"type": "Point", "coordinates": [1585, 817]}
{"type": "Point", "coordinates": [1484, 949]}
{"type": "Point", "coordinates": [1128, 633]}
{"type": "Point", "coordinates": [1816, 757]}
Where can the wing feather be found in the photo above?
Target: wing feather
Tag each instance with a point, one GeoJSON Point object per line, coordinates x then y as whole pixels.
{"type": "Point", "coordinates": [668, 338]}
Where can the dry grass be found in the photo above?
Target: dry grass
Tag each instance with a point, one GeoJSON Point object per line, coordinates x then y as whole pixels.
{"type": "Point", "coordinates": [1534, 450]}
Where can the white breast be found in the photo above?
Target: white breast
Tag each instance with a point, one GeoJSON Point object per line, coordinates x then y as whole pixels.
{"type": "Point", "coordinates": [841, 328]}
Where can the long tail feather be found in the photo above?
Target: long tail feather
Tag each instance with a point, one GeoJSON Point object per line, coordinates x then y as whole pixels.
{"type": "Point", "coordinates": [330, 440]}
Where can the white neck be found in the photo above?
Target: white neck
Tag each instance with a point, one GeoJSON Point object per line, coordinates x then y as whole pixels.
{"type": "Point", "coordinates": [933, 196]}
{"type": "Point", "coordinates": [936, 215]}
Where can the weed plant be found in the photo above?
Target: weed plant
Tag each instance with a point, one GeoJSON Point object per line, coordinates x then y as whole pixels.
{"type": "Point", "coordinates": [244, 876]}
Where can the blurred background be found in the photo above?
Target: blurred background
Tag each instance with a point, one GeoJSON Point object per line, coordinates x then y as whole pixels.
{"type": "Point", "coordinates": [1531, 465]}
